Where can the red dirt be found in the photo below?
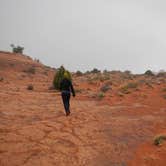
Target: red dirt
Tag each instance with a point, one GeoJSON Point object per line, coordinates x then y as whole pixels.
{"type": "Point", "coordinates": [149, 154]}
{"type": "Point", "coordinates": [117, 130]}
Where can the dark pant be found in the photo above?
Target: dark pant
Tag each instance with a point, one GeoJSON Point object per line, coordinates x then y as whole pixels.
{"type": "Point", "coordinates": [66, 101]}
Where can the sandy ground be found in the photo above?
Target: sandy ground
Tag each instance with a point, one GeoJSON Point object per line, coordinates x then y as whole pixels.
{"type": "Point", "coordinates": [114, 131]}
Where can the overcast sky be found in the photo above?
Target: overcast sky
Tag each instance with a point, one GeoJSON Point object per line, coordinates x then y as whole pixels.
{"type": "Point", "coordinates": [83, 34]}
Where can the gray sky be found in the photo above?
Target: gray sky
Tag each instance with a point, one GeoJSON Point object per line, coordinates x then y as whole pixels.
{"type": "Point", "coordinates": [83, 34]}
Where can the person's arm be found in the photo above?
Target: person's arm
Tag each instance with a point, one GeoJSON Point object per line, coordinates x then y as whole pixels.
{"type": "Point", "coordinates": [72, 89]}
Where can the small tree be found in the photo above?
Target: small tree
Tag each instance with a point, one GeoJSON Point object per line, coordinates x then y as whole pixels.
{"type": "Point", "coordinates": [149, 73]}
{"type": "Point", "coordinates": [105, 71]}
{"type": "Point", "coordinates": [59, 76]}
{"type": "Point", "coordinates": [79, 73]}
{"type": "Point", "coordinates": [17, 49]}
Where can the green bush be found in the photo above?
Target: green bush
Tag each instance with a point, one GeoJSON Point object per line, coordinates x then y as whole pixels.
{"type": "Point", "coordinates": [87, 72]}
{"type": "Point", "coordinates": [124, 90]}
{"type": "Point", "coordinates": [59, 76]}
{"type": "Point", "coordinates": [79, 73]}
{"type": "Point", "coordinates": [131, 85]}
{"type": "Point", "coordinates": [17, 49]}
{"type": "Point", "coordinates": [95, 70]}
{"type": "Point", "coordinates": [149, 73]}
{"type": "Point", "coordinates": [159, 139]}
{"type": "Point", "coordinates": [100, 95]}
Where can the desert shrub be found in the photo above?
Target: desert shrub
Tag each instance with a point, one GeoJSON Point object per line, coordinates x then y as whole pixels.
{"type": "Point", "coordinates": [87, 72]}
{"type": "Point", "coordinates": [100, 77]}
{"type": "Point", "coordinates": [105, 77]}
{"type": "Point", "coordinates": [131, 85]}
{"type": "Point", "coordinates": [95, 70]}
{"type": "Point", "coordinates": [105, 88]}
{"type": "Point", "coordinates": [11, 64]}
{"type": "Point", "coordinates": [96, 77]}
{"type": "Point", "coordinates": [127, 72]}
{"type": "Point", "coordinates": [161, 74]}
{"type": "Point", "coordinates": [17, 49]}
{"type": "Point", "coordinates": [30, 70]}
{"type": "Point", "coordinates": [159, 139]}
{"type": "Point", "coordinates": [48, 67]}
{"type": "Point", "coordinates": [78, 90]}
{"type": "Point", "coordinates": [164, 90]}
{"type": "Point", "coordinates": [149, 84]}
{"type": "Point", "coordinates": [79, 73]}
{"type": "Point", "coordinates": [30, 87]}
{"type": "Point", "coordinates": [142, 81]}
{"type": "Point", "coordinates": [127, 75]}
{"type": "Point", "coordinates": [164, 96]}
{"type": "Point", "coordinates": [45, 73]}
{"type": "Point", "coordinates": [1, 79]}
{"type": "Point", "coordinates": [59, 76]}
{"type": "Point", "coordinates": [100, 95]}
{"type": "Point", "coordinates": [91, 81]}
{"type": "Point", "coordinates": [124, 90]}
{"type": "Point", "coordinates": [149, 73]}
{"type": "Point", "coordinates": [105, 71]}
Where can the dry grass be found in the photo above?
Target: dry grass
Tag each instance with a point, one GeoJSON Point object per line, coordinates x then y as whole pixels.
{"type": "Point", "coordinates": [149, 84]}
{"type": "Point", "coordinates": [159, 139]}
{"type": "Point", "coordinates": [105, 88]}
{"type": "Point", "coordinates": [100, 95]}
{"type": "Point", "coordinates": [30, 70]}
{"type": "Point", "coordinates": [125, 89]}
{"type": "Point", "coordinates": [78, 90]}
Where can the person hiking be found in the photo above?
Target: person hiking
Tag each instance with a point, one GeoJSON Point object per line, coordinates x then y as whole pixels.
{"type": "Point", "coordinates": [66, 88]}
